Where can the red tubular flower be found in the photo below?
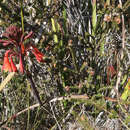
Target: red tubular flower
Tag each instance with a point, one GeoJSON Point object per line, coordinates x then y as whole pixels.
{"type": "Point", "coordinates": [6, 66]}
{"type": "Point", "coordinates": [12, 64]}
{"type": "Point", "coordinates": [21, 67]}
{"type": "Point", "coordinates": [38, 54]}
{"type": "Point", "coordinates": [16, 37]}
{"type": "Point", "coordinates": [22, 48]}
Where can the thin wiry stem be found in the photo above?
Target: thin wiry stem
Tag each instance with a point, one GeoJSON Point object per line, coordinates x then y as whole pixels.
{"type": "Point", "coordinates": [70, 97]}
{"type": "Point", "coordinates": [29, 77]}
{"type": "Point", "coordinates": [19, 113]}
{"type": "Point", "coordinates": [59, 127]}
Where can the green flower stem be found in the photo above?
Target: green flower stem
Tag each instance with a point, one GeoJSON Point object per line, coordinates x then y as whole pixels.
{"type": "Point", "coordinates": [22, 17]}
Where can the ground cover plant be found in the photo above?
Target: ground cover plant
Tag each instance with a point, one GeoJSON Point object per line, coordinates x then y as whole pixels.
{"type": "Point", "coordinates": [64, 64]}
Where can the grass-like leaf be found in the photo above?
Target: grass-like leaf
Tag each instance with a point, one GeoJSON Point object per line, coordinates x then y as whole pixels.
{"type": "Point", "coordinates": [6, 80]}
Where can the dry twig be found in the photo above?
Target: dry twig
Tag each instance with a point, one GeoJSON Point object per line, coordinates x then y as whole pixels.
{"type": "Point", "coordinates": [70, 97]}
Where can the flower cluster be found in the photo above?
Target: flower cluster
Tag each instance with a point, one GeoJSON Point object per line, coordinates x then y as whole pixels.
{"type": "Point", "coordinates": [15, 39]}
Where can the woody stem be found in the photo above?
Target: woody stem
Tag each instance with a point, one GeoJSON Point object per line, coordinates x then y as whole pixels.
{"type": "Point", "coordinates": [29, 77]}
